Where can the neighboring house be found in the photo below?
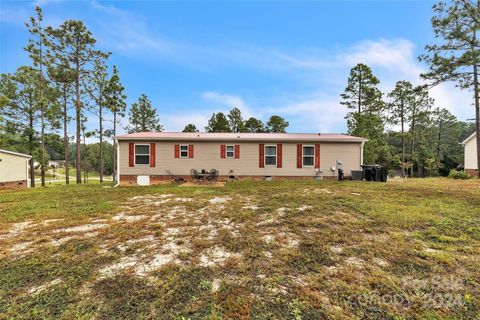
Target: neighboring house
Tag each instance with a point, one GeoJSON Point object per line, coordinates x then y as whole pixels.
{"type": "Point", "coordinates": [145, 157]}
{"type": "Point", "coordinates": [470, 164]}
{"type": "Point", "coordinates": [13, 169]}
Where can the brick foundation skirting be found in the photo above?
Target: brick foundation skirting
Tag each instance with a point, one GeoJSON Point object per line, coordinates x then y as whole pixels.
{"type": "Point", "coordinates": [128, 179]}
{"type": "Point", "coordinates": [472, 172]}
{"type": "Point", "coordinates": [13, 184]}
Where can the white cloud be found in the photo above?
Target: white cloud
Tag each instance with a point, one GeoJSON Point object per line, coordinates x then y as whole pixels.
{"type": "Point", "coordinates": [228, 102]}
{"type": "Point", "coordinates": [318, 113]}
{"type": "Point", "coordinates": [177, 122]}
{"type": "Point", "coordinates": [391, 61]}
{"type": "Point", "coordinates": [126, 32]}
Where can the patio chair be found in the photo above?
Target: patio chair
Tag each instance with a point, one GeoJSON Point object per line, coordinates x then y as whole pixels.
{"type": "Point", "coordinates": [194, 174]}
{"type": "Point", "coordinates": [174, 177]}
{"type": "Point", "coordinates": [213, 175]}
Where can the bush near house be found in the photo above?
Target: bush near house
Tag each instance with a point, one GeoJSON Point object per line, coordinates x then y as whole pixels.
{"type": "Point", "coordinates": [455, 174]}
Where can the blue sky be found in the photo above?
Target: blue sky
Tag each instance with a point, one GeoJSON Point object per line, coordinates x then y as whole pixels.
{"type": "Point", "coordinates": [193, 58]}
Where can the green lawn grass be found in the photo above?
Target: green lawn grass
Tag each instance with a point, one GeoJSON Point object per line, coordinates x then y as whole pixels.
{"type": "Point", "coordinates": [408, 249]}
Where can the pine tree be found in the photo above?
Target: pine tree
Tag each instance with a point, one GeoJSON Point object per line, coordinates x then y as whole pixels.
{"type": "Point", "coordinates": [115, 102]}
{"type": "Point", "coordinates": [419, 115]}
{"type": "Point", "coordinates": [457, 56]}
{"type": "Point", "coordinates": [62, 76]}
{"type": "Point", "coordinates": [73, 43]}
{"type": "Point", "coordinates": [218, 123]}
{"type": "Point", "coordinates": [277, 124]}
{"type": "Point", "coordinates": [36, 49]}
{"type": "Point", "coordinates": [190, 128]}
{"type": "Point", "coordinates": [447, 132]}
{"type": "Point", "coordinates": [97, 91]}
{"type": "Point", "coordinates": [21, 109]}
{"type": "Point", "coordinates": [361, 93]}
{"type": "Point", "coordinates": [254, 125]}
{"type": "Point", "coordinates": [143, 117]}
{"type": "Point", "coordinates": [235, 121]}
{"type": "Point", "coordinates": [398, 108]}
{"type": "Point", "coordinates": [363, 97]}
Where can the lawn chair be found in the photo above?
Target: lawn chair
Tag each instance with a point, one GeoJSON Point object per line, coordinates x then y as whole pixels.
{"type": "Point", "coordinates": [213, 175]}
{"type": "Point", "coordinates": [174, 177]}
{"type": "Point", "coordinates": [195, 175]}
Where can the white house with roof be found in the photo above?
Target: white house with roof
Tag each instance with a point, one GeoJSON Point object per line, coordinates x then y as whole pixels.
{"type": "Point", "coordinates": [13, 169]}
{"type": "Point", "coordinates": [470, 162]}
{"type": "Point", "coordinates": [149, 156]}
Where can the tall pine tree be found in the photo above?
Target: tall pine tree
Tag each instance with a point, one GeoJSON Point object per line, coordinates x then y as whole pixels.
{"type": "Point", "coordinates": [115, 102]}
{"type": "Point", "coordinates": [218, 123]}
{"type": "Point", "coordinates": [456, 56]}
{"type": "Point", "coordinates": [143, 117]}
{"type": "Point", "coordinates": [73, 43]}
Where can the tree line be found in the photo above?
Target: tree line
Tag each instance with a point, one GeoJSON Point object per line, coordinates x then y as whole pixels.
{"type": "Point", "coordinates": [68, 75]}
{"type": "Point", "coordinates": [405, 130]}
{"type": "Point", "coordinates": [143, 117]}
{"type": "Point", "coordinates": [422, 136]}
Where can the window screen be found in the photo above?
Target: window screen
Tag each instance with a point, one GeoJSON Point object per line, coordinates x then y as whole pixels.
{"type": "Point", "coordinates": [230, 151]}
{"type": "Point", "coordinates": [308, 156]}
{"type": "Point", "coordinates": [270, 155]}
{"type": "Point", "coordinates": [184, 151]}
{"type": "Point", "coordinates": [142, 154]}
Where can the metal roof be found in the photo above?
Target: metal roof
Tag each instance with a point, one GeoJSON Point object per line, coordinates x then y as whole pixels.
{"type": "Point", "coordinates": [210, 136]}
{"type": "Point", "coordinates": [15, 153]}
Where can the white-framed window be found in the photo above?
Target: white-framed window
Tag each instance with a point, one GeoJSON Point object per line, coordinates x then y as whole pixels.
{"type": "Point", "coordinates": [184, 151]}
{"type": "Point", "coordinates": [230, 151]}
{"type": "Point", "coordinates": [142, 154]}
{"type": "Point", "coordinates": [308, 156]}
{"type": "Point", "coordinates": [271, 155]}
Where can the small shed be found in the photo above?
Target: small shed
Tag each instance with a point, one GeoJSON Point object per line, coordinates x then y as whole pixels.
{"type": "Point", "coordinates": [470, 145]}
{"type": "Point", "coordinates": [13, 169]}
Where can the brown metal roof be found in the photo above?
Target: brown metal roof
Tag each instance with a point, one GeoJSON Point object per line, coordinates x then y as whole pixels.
{"type": "Point", "coordinates": [208, 136]}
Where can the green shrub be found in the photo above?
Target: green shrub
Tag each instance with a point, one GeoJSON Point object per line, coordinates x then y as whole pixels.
{"type": "Point", "coordinates": [454, 174]}
{"type": "Point", "coordinates": [391, 173]}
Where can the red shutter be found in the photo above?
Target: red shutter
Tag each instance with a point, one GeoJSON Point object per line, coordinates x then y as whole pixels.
{"type": "Point", "coordinates": [131, 155]}
{"type": "Point", "coordinates": [190, 150]}
{"type": "Point", "coordinates": [299, 156]}
{"type": "Point", "coordinates": [261, 159]}
{"type": "Point", "coordinates": [317, 156]}
{"type": "Point", "coordinates": [177, 151]}
{"type": "Point", "coordinates": [223, 151]}
{"type": "Point", "coordinates": [152, 154]}
{"type": "Point", "coordinates": [279, 155]}
{"type": "Point", "coordinates": [237, 151]}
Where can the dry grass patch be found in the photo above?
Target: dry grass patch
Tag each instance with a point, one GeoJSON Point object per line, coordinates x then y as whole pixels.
{"type": "Point", "coordinates": [266, 250]}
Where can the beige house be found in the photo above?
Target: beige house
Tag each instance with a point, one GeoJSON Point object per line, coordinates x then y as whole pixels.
{"type": "Point", "coordinates": [13, 169]}
{"type": "Point", "coordinates": [470, 163]}
{"type": "Point", "coordinates": [145, 158]}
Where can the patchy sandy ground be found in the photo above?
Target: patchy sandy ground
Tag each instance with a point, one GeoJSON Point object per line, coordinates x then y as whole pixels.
{"type": "Point", "coordinates": [283, 251]}
{"type": "Point", "coordinates": [196, 231]}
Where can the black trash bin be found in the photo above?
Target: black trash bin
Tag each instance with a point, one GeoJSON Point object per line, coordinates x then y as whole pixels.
{"type": "Point", "coordinates": [374, 172]}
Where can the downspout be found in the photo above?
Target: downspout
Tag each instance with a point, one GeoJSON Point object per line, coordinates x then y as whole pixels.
{"type": "Point", "coordinates": [27, 172]}
{"type": "Point", "coordinates": [117, 146]}
{"type": "Point", "coordinates": [361, 154]}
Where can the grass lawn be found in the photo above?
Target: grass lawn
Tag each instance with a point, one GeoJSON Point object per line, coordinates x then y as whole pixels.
{"type": "Point", "coordinates": [265, 250]}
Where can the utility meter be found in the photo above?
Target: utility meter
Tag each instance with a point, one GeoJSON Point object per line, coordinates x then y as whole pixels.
{"type": "Point", "coordinates": [339, 164]}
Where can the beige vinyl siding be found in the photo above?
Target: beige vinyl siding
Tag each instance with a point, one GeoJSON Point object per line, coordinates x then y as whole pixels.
{"type": "Point", "coordinates": [471, 154]}
{"type": "Point", "coordinates": [12, 167]}
{"type": "Point", "coordinates": [207, 156]}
